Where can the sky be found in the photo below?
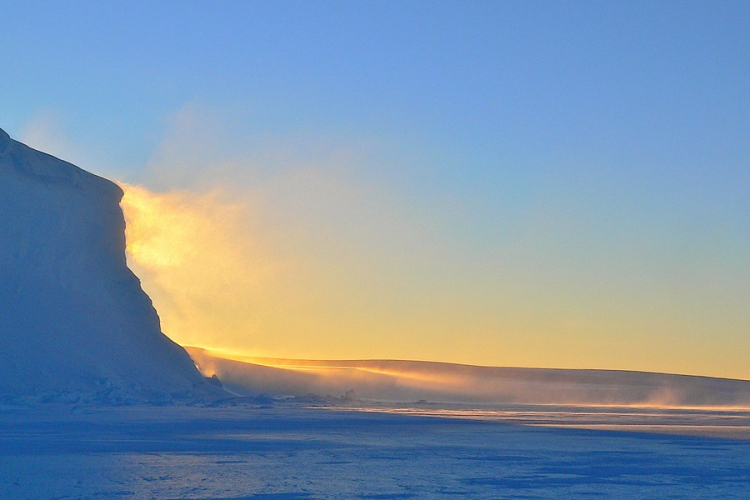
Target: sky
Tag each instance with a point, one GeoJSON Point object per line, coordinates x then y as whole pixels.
{"type": "Point", "coordinates": [540, 184]}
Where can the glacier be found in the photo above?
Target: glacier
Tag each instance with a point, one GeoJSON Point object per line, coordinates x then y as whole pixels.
{"type": "Point", "coordinates": [74, 320]}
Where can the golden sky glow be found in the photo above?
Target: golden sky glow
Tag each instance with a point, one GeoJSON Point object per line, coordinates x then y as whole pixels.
{"type": "Point", "coordinates": [285, 249]}
{"type": "Point", "coordinates": [220, 279]}
{"type": "Point", "coordinates": [534, 186]}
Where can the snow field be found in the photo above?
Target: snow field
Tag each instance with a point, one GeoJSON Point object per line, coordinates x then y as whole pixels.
{"type": "Point", "coordinates": [290, 452]}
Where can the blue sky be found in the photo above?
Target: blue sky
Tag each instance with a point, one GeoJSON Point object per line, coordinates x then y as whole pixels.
{"type": "Point", "coordinates": [524, 165]}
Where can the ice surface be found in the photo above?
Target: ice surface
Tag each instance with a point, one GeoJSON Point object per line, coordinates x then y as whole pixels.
{"type": "Point", "coordinates": [446, 382]}
{"type": "Point", "coordinates": [74, 321]}
{"type": "Point", "coordinates": [289, 452]}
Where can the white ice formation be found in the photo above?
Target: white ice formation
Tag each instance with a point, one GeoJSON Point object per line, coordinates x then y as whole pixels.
{"type": "Point", "coordinates": [74, 321]}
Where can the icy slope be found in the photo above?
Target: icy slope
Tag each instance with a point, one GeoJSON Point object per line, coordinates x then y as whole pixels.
{"type": "Point", "coordinates": [445, 382]}
{"type": "Point", "coordinates": [74, 321]}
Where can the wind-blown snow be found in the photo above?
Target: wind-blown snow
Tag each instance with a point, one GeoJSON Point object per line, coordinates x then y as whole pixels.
{"type": "Point", "coordinates": [74, 321]}
{"type": "Point", "coordinates": [445, 382]}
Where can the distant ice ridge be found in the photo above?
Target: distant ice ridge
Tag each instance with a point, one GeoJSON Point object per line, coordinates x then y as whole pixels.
{"type": "Point", "coordinates": [75, 323]}
{"type": "Point", "coordinates": [409, 381]}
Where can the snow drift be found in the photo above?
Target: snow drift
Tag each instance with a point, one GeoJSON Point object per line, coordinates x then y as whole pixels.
{"type": "Point", "coordinates": [408, 381]}
{"type": "Point", "coordinates": [74, 321]}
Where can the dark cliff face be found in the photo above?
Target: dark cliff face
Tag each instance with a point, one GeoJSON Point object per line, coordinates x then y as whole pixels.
{"type": "Point", "coordinates": [73, 317]}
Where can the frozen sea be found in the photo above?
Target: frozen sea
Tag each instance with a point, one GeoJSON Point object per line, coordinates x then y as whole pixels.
{"type": "Point", "coordinates": [372, 451]}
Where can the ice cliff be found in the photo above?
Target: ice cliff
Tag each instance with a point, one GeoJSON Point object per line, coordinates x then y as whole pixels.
{"type": "Point", "coordinates": [74, 320]}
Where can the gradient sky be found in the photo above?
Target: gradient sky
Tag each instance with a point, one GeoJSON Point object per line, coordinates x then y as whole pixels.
{"type": "Point", "coordinates": [552, 184]}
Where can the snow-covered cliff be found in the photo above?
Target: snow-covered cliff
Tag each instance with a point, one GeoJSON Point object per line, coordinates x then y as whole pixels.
{"type": "Point", "coordinates": [74, 320]}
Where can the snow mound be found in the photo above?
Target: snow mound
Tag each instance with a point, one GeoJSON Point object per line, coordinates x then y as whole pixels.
{"type": "Point", "coordinates": [74, 320]}
{"type": "Point", "coordinates": [393, 380]}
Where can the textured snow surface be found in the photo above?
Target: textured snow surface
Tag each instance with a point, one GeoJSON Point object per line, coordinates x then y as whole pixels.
{"type": "Point", "coordinates": [74, 321]}
{"type": "Point", "coordinates": [414, 380]}
{"type": "Point", "coordinates": [287, 452]}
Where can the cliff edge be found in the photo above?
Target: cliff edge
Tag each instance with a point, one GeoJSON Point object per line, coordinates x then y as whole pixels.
{"type": "Point", "coordinates": [74, 320]}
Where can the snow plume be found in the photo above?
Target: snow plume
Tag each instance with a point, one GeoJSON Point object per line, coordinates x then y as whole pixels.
{"type": "Point", "coordinates": [197, 259]}
{"type": "Point", "coordinates": [267, 245]}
